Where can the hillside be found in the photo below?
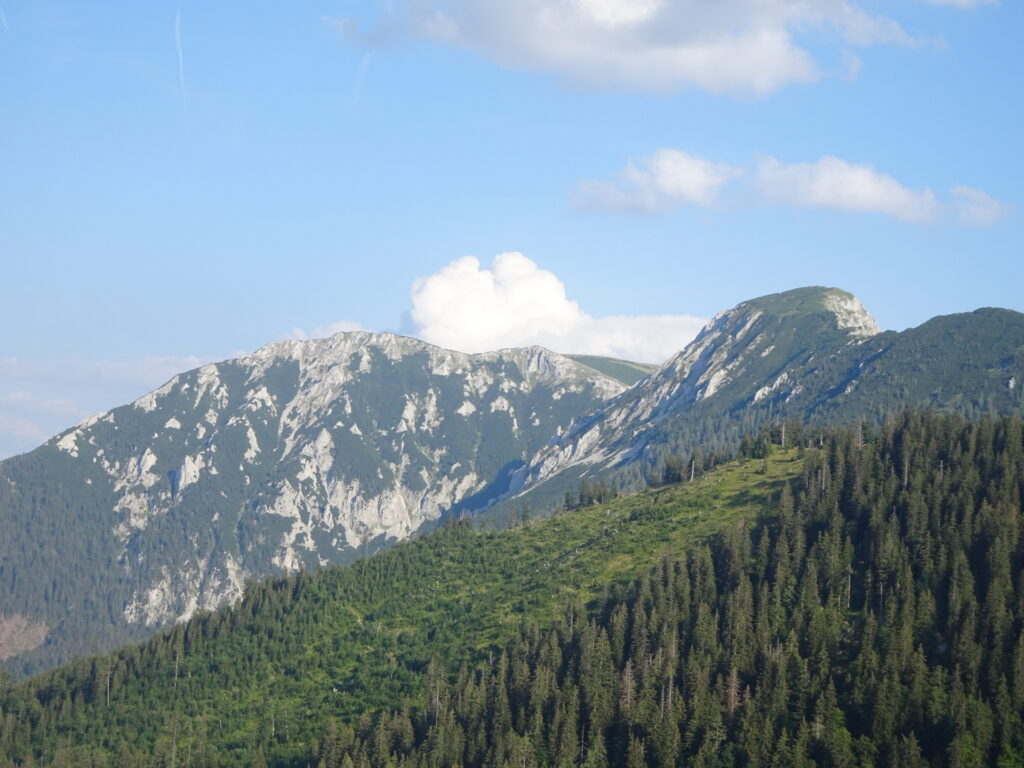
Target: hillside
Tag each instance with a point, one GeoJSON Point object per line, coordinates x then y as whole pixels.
{"type": "Point", "coordinates": [875, 620]}
{"type": "Point", "coordinates": [299, 455]}
{"type": "Point", "coordinates": [813, 355]}
{"type": "Point", "coordinates": [341, 641]}
{"type": "Point", "coordinates": [314, 453]}
{"type": "Point", "coordinates": [860, 605]}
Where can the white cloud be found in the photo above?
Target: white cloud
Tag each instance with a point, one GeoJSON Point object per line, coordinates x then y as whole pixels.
{"type": "Point", "coordinates": [323, 331]}
{"type": "Point", "coordinates": [342, 326]}
{"type": "Point", "coordinates": [834, 183]}
{"type": "Point", "coordinates": [659, 182]}
{"type": "Point", "coordinates": [34, 402]}
{"type": "Point", "coordinates": [963, 3]}
{"type": "Point", "coordinates": [747, 47]}
{"type": "Point", "coordinates": [977, 208]}
{"type": "Point", "coordinates": [181, 58]}
{"type": "Point", "coordinates": [152, 368]}
{"type": "Point", "coordinates": [670, 179]}
{"type": "Point", "coordinates": [516, 303]}
{"type": "Point", "coordinates": [19, 434]}
{"type": "Point", "coordinates": [40, 397]}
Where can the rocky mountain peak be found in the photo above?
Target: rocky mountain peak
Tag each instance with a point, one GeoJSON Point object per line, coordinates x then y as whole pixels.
{"type": "Point", "coordinates": [801, 304]}
{"type": "Point", "coordinates": [751, 353]}
{"type": "Point", "coordinates": [303, 453]}
{"type": "Point", "coordinates": [759, 334]}
{"type": "Point", "coordinates": [851, 315]}
{"type": "Point", "coordinates": [348, 348]}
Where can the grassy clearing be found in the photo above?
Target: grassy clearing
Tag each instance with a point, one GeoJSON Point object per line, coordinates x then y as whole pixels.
{"type": "Point", "coordinates": [357, 638]}
{"type": "Point", "coordinates": [477, 589]}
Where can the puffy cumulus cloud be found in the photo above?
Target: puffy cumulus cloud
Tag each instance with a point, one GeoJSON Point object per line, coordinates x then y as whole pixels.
{"type": "Point", "coordinates": [746, 47]}
{"type": "Point", "coordinates": [670, 178]}
{"type": "Point", "coordinates": [515, 303]}
{"type": "Point", "coordinates": [34, 392]}
{"type": "Point", "coordinates": [834, 183]}
{"type": "Point", "coordinates": [977, 208]}
{"type": "Point", "coordinates": [659, 182]}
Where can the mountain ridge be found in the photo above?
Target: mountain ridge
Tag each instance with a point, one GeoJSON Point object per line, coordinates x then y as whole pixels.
{"type": "Point", "coordinates": [307, 453]}
{"type": "Point", "coordinates": [848, 598]}
{"type": "Point", "coordinates": [803, 354]}
{"type": "Point", "coordinates": [298, 455]}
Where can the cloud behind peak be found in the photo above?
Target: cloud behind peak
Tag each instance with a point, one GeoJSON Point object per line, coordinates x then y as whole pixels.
{"type": "Point", "coordinates": [515, 303]}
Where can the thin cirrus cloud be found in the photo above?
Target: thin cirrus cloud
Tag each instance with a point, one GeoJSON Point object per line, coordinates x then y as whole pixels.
{"type": "Point", "coordinates": [181, 58]}
{"type": "Point", "coordinates": [963, 3]}
{"type": "Point", "coordinates": [515, 303]}
{"type": "Point", "coordinates": [670, 179]}
{"type": "Point", "coordinates": [837, 184]}
{"type": "Point", "coordinates": [323, 331]}
{"type": "Point", "coordinates": [665, 179]}
{"type": "Point", "coordinates": [25, 416]}
{"type": "Point", "coordinates": [39, 397]}
{"type": "Point", "coordinates": [977, 208]}
{"type": "Point", "coordinates": [740, 47]}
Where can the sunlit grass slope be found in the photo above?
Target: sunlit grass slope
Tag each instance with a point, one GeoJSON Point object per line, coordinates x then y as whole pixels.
{"type": "Point", "coordinates": [343, 641]}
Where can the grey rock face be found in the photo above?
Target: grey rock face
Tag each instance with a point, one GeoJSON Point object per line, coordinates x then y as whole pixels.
{"type": "Point", "coordinates": [302, 454]}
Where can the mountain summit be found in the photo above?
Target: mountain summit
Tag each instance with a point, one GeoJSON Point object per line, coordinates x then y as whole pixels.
{"type": "Point", "coordinates": [742, 348]}
{"type": "Point", "coordinates": [308, 453]}
{"type": "Point", "coordinates": [814, 354]}
{"type": "Point", "coordinates": [302, 454]}
{"type": "Point", "coordinates": [848, 312]}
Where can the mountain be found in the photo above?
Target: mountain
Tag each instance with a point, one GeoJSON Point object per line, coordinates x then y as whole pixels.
{"type": "Point", "coordinates": [339, 641]}
{"type": "Point", "coordinates": [302, 454]}
{"type": "Point", "coordinates": [312, 453]}
{"type": "Point", "coordinates": [814, 355]}
{"type": "Point", "coordinates": [854, 600]}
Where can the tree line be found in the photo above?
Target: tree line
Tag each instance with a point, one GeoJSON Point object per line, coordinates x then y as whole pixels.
{"type": "Point", "coordinates": [874, 618]}
{"type": "Point", "coordinates": [872, 615]}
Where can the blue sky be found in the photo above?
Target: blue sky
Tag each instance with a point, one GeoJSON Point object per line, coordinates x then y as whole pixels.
{"type": "Point", "coordinates": [183, 181]}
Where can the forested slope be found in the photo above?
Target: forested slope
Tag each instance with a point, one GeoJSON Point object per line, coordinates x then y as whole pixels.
{"type": "Point", "coordinates": [263, 678]}
{"type": "Point", "coordinates": [875, 619]}
{"type": "Point", "coordinates": [305, 453]}
{"type": "Point", "coordinates": [813, 355]}
{"type": "Point", "coordinates": [857, 601]}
